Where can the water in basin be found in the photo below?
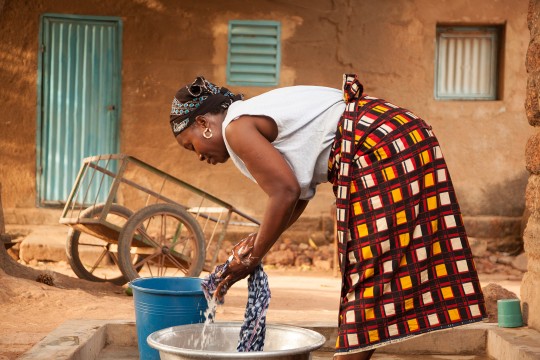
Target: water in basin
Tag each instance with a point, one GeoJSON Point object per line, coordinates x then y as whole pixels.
{"type": "Point", "coordinates": [282, 342]}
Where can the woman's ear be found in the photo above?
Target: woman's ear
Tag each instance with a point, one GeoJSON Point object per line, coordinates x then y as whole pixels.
{"type": "Point", "coordinates": [201, 120]}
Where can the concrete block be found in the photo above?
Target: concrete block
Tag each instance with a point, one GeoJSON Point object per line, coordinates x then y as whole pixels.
{"type": "Point", "coordinates": [513, 344]}
{"type": "Point", "coordinates": [44, 243]}
{"type": "Point", "coordinates": [114, 352]}
{"type": "Point", "coordinates": [122, 333]}
{"type": "Point", "coordinates": [469, 339]}
{"type": "Point", "coordinates": [93, 346]}
{"type": "Point", "coordinates": [73, 340]}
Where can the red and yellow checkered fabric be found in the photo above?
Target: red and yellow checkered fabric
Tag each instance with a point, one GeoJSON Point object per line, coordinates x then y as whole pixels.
{"type": "Point", "coordinates": [405, 260]}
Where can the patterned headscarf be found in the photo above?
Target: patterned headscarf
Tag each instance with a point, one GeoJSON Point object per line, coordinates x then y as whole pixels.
{"type": "Point", "coordinates": [197, 98]}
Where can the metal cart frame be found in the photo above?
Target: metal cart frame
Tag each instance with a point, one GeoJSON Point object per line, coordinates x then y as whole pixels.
{"type": "Point", "coordinates": [105, 174]}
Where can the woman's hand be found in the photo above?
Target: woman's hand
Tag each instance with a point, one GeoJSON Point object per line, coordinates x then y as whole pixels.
{"type": "Point", "coordinates": [243, 263]}
{"type": "Point", "coordinates": [243, 251]}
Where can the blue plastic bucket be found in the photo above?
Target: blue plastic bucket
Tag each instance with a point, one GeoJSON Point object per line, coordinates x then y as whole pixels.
{"type": "Point", "coordinates": [163, 302]}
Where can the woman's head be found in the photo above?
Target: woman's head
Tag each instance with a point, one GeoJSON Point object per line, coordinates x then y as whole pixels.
{"type": "Point", "coordinates": [197, 112]}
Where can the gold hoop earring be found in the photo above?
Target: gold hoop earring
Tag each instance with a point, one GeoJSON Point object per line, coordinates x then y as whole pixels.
{"type": "Point", "coordinates": [207, 133]}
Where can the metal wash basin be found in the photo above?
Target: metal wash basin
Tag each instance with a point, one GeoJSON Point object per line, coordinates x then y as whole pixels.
{"type": "Point", "coordinates": [187, 342]}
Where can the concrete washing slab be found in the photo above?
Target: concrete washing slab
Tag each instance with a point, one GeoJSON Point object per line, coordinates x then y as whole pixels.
{"type": "Point", "coordinates": [108, 340]}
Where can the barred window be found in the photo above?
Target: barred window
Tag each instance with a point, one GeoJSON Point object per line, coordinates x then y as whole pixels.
{"type": "Point", "coordinates": [467, 62]}
{"type": "Point", "coordinates": [254, 53]}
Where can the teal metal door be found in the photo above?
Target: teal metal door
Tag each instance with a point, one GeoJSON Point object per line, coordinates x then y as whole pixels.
{"type": "Point", "coordinates": [79, 92]}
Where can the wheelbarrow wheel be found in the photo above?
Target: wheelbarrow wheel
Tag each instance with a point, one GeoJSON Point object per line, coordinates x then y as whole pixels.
{"type": "Point", "coordinates": [92, 258]}
{"type": "Point", "coordinates": [169, 240]}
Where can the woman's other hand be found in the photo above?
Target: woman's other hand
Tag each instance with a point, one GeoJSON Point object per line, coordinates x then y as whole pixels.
{"type": "Point", "coordinates": [242, 264]}
{"type": "Point", "coordinates": [243, 251]}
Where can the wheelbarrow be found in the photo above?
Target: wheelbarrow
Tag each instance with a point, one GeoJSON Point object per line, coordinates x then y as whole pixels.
{"type": "Point", "coordinates": [125, 222]}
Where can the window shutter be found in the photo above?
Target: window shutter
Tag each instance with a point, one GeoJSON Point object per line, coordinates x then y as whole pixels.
{"type": "Point", "coordinates": [254, 53]}
{"type": "Point", "coordinates": [467, 63]}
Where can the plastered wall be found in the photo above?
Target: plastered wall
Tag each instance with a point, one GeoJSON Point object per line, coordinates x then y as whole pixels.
{"type": "Point", "coordinates": [390, 43]}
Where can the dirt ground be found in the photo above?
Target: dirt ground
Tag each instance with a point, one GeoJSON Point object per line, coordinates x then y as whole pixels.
{"type": "Point", "coordinates": [30, 310]}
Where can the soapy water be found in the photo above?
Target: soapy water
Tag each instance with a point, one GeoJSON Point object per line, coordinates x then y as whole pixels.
{"type": "Point", "coordinates": [209, 314]}
{"type": "Point", "coordinates": [202, 342]}
{"type": "Point", "coordinates": [209, 287]}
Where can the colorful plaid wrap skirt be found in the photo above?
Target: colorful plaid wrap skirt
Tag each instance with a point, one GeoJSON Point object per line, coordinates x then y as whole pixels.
{"type": "Point", "coordinates": [406, 264]}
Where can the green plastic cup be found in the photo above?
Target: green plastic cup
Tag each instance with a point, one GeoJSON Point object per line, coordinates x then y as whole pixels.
{"type": "Point", "coordinates": [509, 313]}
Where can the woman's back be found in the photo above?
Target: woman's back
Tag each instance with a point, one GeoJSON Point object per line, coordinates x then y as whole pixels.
{"type": "Point", "coordinates": [306, 117]}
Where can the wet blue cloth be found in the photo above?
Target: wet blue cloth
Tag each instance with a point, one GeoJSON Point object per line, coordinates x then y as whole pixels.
{"type": "Point", "coordinates": [253, 330]}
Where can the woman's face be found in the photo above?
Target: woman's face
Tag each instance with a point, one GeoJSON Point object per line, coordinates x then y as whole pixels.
{"type": "Point", "coordinates": [211, 150]}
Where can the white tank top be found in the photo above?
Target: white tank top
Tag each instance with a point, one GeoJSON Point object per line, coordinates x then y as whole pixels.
{"type": "Point", "coordinates": [306, 118]}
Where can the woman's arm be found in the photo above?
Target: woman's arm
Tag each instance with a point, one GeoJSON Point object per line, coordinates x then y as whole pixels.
{"type": "Point", "coordinates": [250, 137]}
{"type": "Point", "coordinates": [298, 210]}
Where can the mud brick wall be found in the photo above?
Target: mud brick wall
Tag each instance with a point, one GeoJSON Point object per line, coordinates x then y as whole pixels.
{"type": "Point", "coordinates": [2, 223]}
{"type": "Point", "coordinates": [530, 288]}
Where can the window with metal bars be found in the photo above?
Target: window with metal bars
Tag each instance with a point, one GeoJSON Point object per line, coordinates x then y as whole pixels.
{"type": "Point", "coordinates": [254, 53]}
{"type": "Point", "coordinates": [467, 62]}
